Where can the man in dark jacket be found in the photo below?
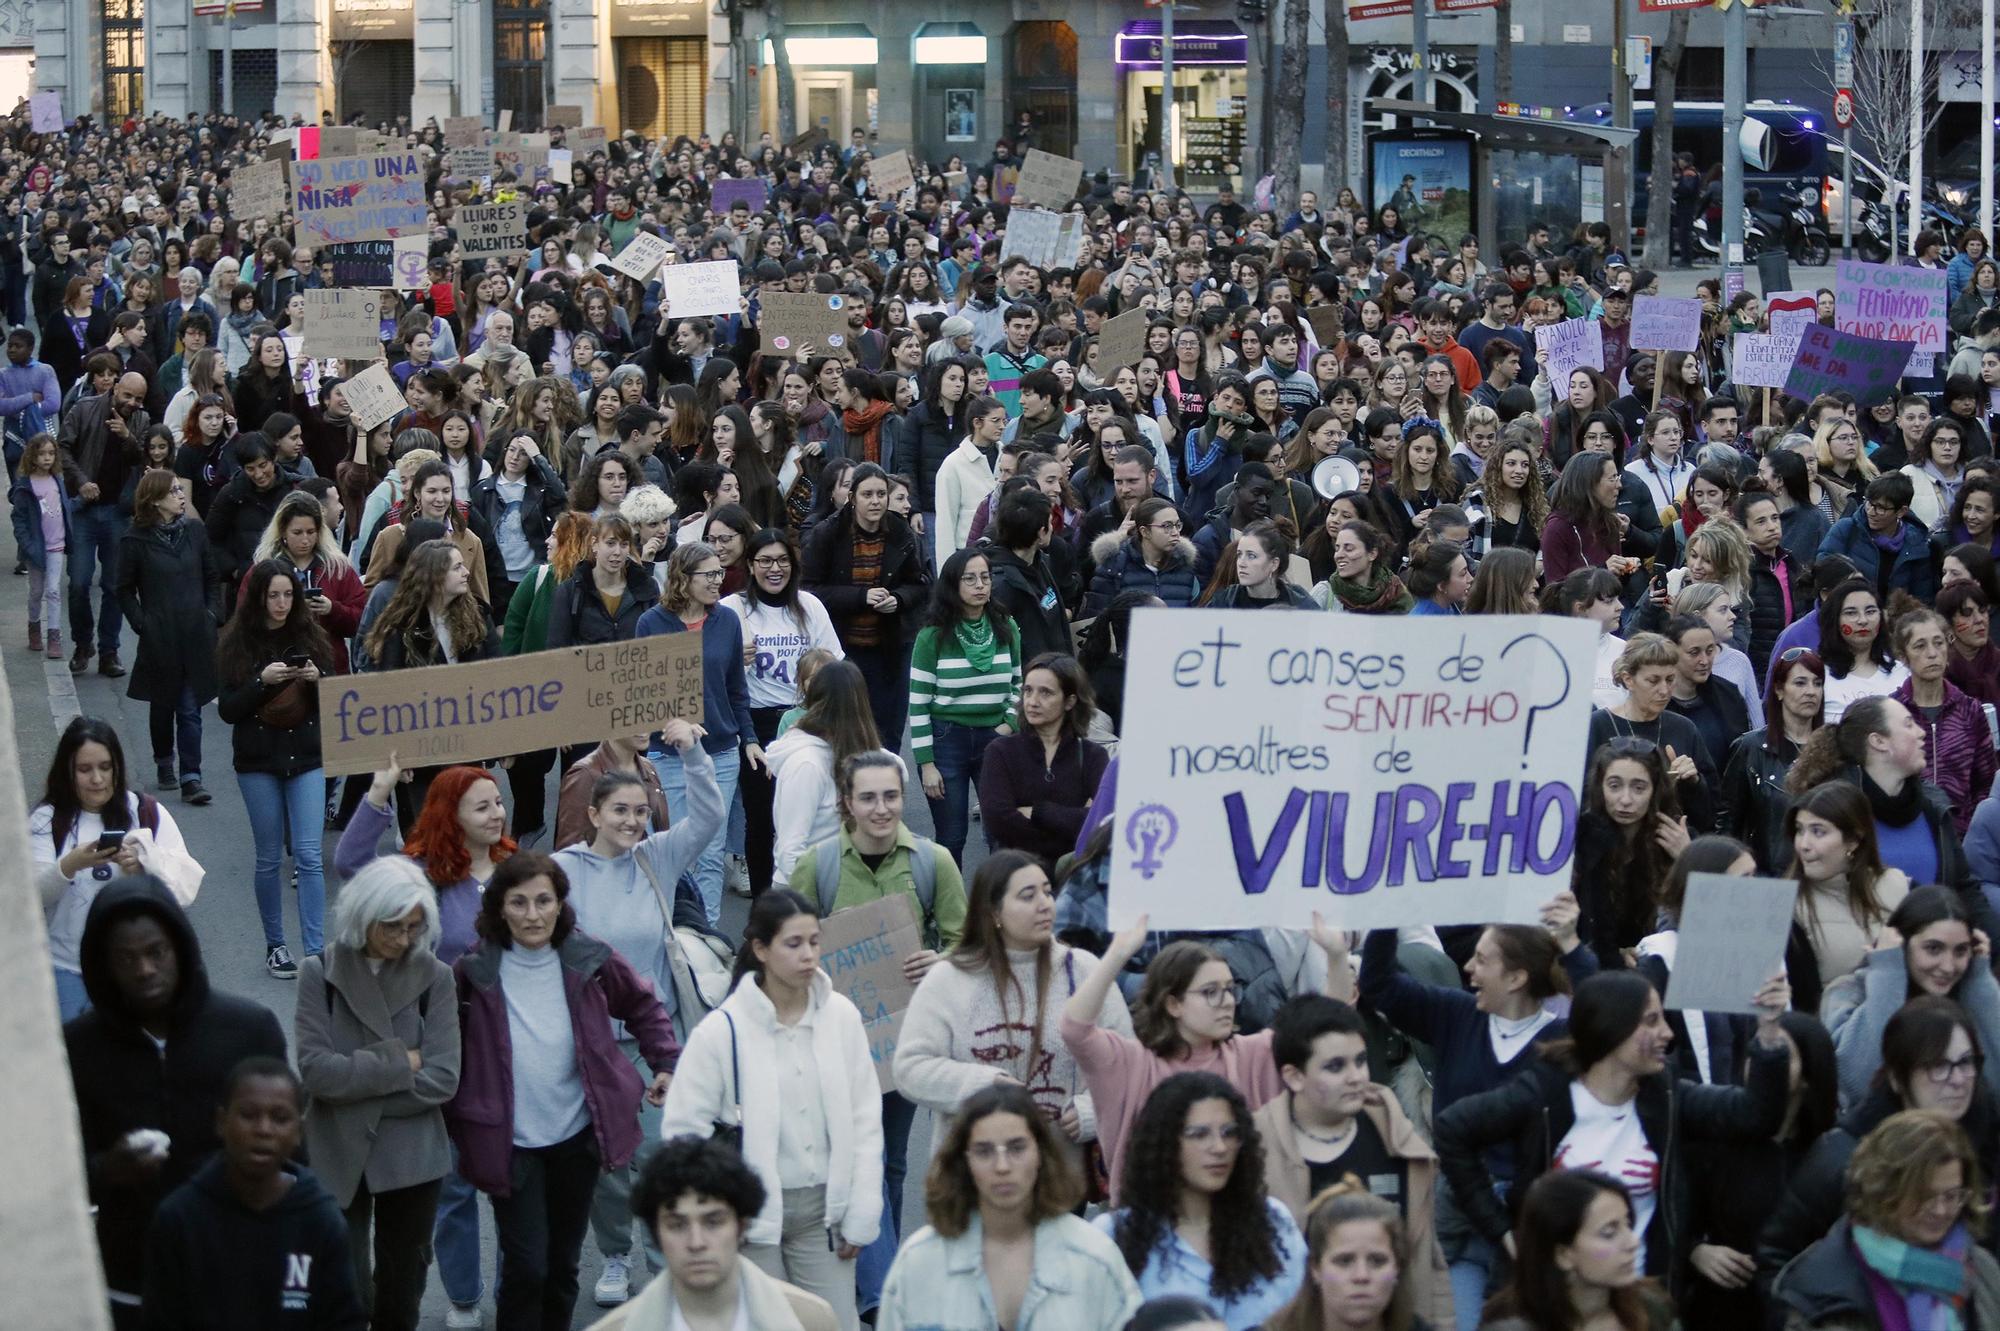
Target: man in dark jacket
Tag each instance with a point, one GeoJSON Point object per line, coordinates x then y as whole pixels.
{"type": "Point", "coordinates": [252, 1240]}
{"type": "Point", "coordinates": [101, 440]}
{"type": "Point", "coordinates": [1023, 583]}
{"type": "Point", "coordinates": [1134, 479]}
{"type": "Point", "coordinates": [1781, 587]}
{"type": "Point", "coordinates": [148, 1064]}
{"type": "Point", "coordinates": [244, 508]}
{"type": "Point", "coordinates": [1249, 501]}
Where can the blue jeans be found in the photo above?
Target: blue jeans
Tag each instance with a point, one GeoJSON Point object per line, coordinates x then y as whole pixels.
{"type": "Point", "coordinates": [72, 999]}
{"type": "Point", "coordinates": [177, 718]}
{"type": "Point", "coordinates": [1471, 1272]}
{"type": "Point", "coordinates": [271, 801]}
{"type": "Point", "coordinates": [94, 536]}
{"type": "Point", "coordinates": [872, 1267]}
{"type": "Point", "coordinates": [456, 1238]}
{"type": "Point", "coordinates": [957, 751]}
{"type": "Point", "coordinates": [708, 865]}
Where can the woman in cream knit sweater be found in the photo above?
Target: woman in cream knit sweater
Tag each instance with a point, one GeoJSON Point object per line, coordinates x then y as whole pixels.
{"type": "Point", "coordinates": [992, 1015]}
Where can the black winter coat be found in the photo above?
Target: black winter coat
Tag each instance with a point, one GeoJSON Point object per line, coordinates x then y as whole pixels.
{"type": "Point", "coordinates": [258, 396]}
{"type": "Point", "coordinates": [1754, 800]}
{"type": "Point", "coordinates": [261, 747]}
{"type": "Point", "coordinates": [542, 501]}
{"type": "Point", "coordinates": [827, 571]}
{"type": "Point", "coordinates": [1030, 594]}
{"type": "Point", "coordinates": [170, 590]}
{"type": "Point", "coordinates": [1533, 1113]}
{"type": "Point", "coordinates": [238, 519]}
{"type": "Point", "coordinates": [417, 645]}
{"type": "Point", "coordinates": [1120, 568]}
{"type": "Point", "coordinates": [1767, 602]}
{"type": "Point", "coordinates": [928, 438]}
{"type": "Point", "coordinates": [576, 612]}
{"type": "Point", "coordinates": [124, 1081]}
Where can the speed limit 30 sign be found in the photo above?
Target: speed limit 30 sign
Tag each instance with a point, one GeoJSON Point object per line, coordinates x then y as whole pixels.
{"type": "Point", "coordinates": [1843, 108]}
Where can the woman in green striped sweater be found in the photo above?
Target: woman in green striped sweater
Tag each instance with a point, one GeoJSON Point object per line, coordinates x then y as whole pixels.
{"type": "Point", "coordinates": [965, 680]}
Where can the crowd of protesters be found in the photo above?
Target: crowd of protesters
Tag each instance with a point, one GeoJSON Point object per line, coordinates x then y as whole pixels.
{"type": "Point", "coordinates": [912, 558]}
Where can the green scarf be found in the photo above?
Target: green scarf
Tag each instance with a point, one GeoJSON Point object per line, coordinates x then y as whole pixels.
{"type": "Point", "coordinates": [978, 641]}
{"type": "Point", "coordinates": [1382, 594]}
{"type": "Point", "coordinates": [1930, 1281]}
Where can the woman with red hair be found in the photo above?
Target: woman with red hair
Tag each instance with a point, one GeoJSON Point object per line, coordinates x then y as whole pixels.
{"type": "Point", "coordinates": [458, 837]}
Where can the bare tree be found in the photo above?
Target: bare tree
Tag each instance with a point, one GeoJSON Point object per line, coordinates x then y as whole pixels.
{"type": "Point", "coordinates": [1336, 101]}
{"type": "Point", "coordinates": [1659, 189]}
{"type": "Point", "coordinates": [1883, 72]}
{"type": "Point", "coordinates": [788, 110]}
{"type": "Point", "coordinates": [1288, 121]}
{"type": "Point", "coordinates": [342, 52]}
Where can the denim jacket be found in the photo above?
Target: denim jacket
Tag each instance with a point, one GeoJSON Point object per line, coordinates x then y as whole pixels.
{"type": "Point", "coordinates": [939, 1284]}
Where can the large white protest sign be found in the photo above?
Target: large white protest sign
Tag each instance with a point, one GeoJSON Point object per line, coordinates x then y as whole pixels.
{"type": "Point", "coordinates": [258, 189]}
{"type": "Point", "coordinates": [343, 322]}
{"type": "Point", "coordinates": [491, 230]}
{"type": "Point", "coordinates": [639, 256]}
{"type": "Point", "coordinates": [1380, 771]}
{"type": "Point", "coordinates": [1033, 234]}
{"type": "Point", "coordinates": [702, 288]}
{"type": "Point", "coordinates": [1570, 345]}
{"type": "Point", "coordinates": [1663, 323]}
{"type": "Point", "coordinates": [1762, 360]}
{"type": "Point", "coordinates": [1732, 940]}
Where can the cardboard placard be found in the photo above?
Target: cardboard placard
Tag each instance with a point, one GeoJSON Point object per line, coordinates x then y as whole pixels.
{"type": "Point", "coordinates": [505, 121]}
{"type": "Point", "coordinates": [372, 396]}
{"type": "Point", "coordinates": [411, 262]}
{"type": "Point", "coordinates": [464, 132]}
{"type": "Point", "coordinates": [563, 116]}
{"type": "Point", "coordinates": [1047, 179]}
{"type": "Point", "coordinates": [791, 318]}
{"type": "Point", "coordinates": [725, 194]}
{"type": "Point", "coordinates": [1662, 323]}
{"type": "Point", "coordinates": [1329, 325]}
{"type": "Point", "coordinates": [471, 162]}
{"type": "Point", "coordinates": [862, 951]}
{"type": "Point", "coordinates": [436, 715]}
{"type": "Point", "coordinates": [362, 263]}
{"type": "Point", "coordinates": [491, 230]}
{"type": "Point", "coordinates": [1732, 941]}
{"type": "Point", "coordinates": [892, 174]}
{"type": "Point", "coordinates": [1032, 234]}
{"type": "Point", "coordinates": [1121, 341]}
{"type": "Point", "coordinates": [258, 189]}
{"type": "Point", "coordinates": [1382, 771]}
{"type": "Point", "coordinates": [1762, 360]}
{"type": "Point", "coordinates": [45, 113]}
{"type": "Point", "coordinates": [1828, 359]}
{"type": "Point", "coordinates": [343, 322]}
{"type": "Point", "coordinates": [1572, 344]}
{"type": "Point", "coordinates": [641, 255]}
{"type": "Point", "coordinates": [588, 139]}
{"type": "Point", "coordinates": [358, 198]}
{"type": "Point", "coordinates": [711, 288]}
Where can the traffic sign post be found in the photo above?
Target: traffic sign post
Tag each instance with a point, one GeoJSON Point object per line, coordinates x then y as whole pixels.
{"type": "Point", "coordinates": [1843, 109]}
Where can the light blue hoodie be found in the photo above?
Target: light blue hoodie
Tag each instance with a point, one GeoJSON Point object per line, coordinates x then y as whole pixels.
{"type": "Point", "coordinates": [614, 899]}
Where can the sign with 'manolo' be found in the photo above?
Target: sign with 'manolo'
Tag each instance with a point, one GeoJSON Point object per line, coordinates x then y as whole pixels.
{"type": "Point", "coordinates": [436, 715]}
{"type": "Point", "coordinates": [1381, 771]}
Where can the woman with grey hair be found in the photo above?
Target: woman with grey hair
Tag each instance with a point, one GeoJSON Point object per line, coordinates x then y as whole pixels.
{"type": "Point", "coordinates": [377, 1035]}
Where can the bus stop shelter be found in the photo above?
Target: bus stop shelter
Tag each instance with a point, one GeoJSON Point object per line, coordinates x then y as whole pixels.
{"type": "Point", "coordinates": [1533, 168]}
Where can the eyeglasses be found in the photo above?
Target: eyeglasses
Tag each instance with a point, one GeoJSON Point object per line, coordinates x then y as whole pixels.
{"type": "Point", "coordinates": [1167, 528]}
{"type": "Point", "coordinates": [1954, 1069]}
{"type": "Point", "coordinates": [1877, 506]}
{"type": "Point", "coordinates": [1215, 995]}
{"type": "Point", "coordinates": [712, 574]}
{"type": "Point", "coordinates": [1951, 1199]}
{"type": "Point", "coordinates": [975, 579]}
{"type": "Point", "coordinates": [1791, 654]}
{"type": "Point", "coordinates": [402, 928]}
{"type": "Point", "coordinates": [770, 565]}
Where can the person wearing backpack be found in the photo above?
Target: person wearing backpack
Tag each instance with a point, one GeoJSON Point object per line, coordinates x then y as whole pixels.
{"type": "Point", "coordinates": [621, 885]}
{"type": "Point", "coordinates": [872, 856]}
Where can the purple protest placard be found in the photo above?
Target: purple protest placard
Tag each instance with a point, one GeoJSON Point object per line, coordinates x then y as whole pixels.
{"type": "Point", "coordinates": [724, 195]}
{"type": "Point", "coordinates": [1891, 303]}
{"type": "Point", "coordinates": [1828, 359]}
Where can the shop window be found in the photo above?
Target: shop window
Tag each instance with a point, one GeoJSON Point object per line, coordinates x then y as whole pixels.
{"type": "Point", "coordinates": [1043, 85]}
{"type": "Point", "coordinates": [663, 85]}
{"type": "Point", "coordinates": [124, 58]}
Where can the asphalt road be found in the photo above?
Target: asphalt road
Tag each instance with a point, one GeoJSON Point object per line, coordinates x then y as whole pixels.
{"type": "Point", "coordinates": [46, 696]}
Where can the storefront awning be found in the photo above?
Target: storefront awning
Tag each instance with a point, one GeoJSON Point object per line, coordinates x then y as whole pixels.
{"type": "Point", "coordinates": [1196, 42]}
{"type": "Point", "coordinates": [948, 44]}
{"type": "Point", "coordinates": [825, 44]}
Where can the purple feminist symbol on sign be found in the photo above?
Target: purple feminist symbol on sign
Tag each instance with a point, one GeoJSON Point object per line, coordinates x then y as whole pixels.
{"type": "Point", "coordinates": [1151, 832]}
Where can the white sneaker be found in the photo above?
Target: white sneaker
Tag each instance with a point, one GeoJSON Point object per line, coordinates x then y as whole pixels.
{"type": "Point", "coordinates": [615, 1285]}
{"type": "Point", "coordinates": [736, 875]}
{"type": "Point", "coordinates": [461, 1318]}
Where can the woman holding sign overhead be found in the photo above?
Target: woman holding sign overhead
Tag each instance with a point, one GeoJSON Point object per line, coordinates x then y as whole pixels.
{"type": "Point", "coordinates": [784, 1066]}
